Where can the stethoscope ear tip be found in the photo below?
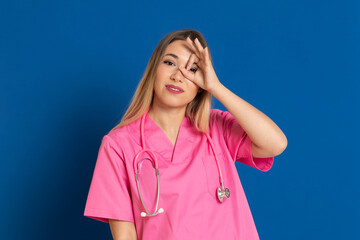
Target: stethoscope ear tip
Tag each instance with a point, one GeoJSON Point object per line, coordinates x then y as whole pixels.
{"type": "Point", "coordinates": [144, 214]}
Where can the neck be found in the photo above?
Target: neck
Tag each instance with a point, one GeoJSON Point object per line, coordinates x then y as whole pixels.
{"type": "Point", "coordinates": [168, 119]}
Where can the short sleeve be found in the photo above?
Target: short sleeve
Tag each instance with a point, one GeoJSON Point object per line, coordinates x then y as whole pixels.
{"type": "Point", "coordinates": [109, 195]}
{"type": "Point", "coordinates": [237, 140]}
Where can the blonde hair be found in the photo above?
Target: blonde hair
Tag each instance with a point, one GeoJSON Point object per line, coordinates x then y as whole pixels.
{"type": "Point", "coordinates": [198, 110]}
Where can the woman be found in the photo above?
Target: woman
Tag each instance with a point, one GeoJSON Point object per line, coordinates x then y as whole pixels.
{"type": "Point", "coordinates": [193, 146]}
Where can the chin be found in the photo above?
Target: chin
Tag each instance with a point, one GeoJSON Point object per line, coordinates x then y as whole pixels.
{"type": "Point", "coordinates": [174, 104]}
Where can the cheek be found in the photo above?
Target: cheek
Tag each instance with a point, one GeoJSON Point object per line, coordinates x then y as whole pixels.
{"type": "Point", "coordinates": [194, 89]}
{"type": "Point", "coordinates": [158, 77]}
{"type": "Point", "coordinates": [161, 71]}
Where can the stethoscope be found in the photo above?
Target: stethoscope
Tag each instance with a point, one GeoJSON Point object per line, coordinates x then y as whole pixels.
{"type": "Point", "coordinates": [221, 191]}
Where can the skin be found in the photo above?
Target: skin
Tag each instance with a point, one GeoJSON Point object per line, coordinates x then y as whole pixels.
{"type": "Point", "coordinates": [168, 110]}
{"type": "Point", "coordinates": [122, 230]}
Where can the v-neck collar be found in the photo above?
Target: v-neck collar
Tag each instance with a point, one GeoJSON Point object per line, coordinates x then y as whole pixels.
{"type": "Point", "coordinates": [158, 141]}
{"type": "Point", "coordinates": [160, 129]}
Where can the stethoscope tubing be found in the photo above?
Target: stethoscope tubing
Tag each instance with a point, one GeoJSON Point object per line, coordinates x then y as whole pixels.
{"type": "Point", "coordinates": [216, 158]}
{"type": "Point", "coordinates": [221, 193]}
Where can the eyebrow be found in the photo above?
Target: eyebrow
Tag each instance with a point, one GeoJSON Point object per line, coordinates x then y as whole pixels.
{"type": "Point", "coordinates": [174, 56]}
{"type": "Point", "coordinates": [171, 54]}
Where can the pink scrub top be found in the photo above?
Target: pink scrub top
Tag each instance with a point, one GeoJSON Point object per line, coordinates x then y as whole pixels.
{"type": "Point", "coordinates": [188, 176]}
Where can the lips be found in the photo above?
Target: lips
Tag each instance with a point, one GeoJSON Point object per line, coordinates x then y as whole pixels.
{"type": "Point", "coordinates": [175, 87]}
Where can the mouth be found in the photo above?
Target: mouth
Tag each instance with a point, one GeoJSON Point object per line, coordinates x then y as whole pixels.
{"type": "Point", "coordinates": [175, 89]}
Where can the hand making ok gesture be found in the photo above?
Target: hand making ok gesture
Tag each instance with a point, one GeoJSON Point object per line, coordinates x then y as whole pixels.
{"type": "Point", "coordinates": [205, 76]}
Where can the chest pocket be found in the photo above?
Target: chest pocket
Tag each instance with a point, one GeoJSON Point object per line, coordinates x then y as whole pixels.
{"type": "Point", "coordinates": [212, 173]}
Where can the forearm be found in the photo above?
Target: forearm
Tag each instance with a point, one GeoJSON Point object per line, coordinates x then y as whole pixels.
{"type": "Point", "coordinates": [122, 230]}
{"type": "Point", "coordinates": [263, 132]}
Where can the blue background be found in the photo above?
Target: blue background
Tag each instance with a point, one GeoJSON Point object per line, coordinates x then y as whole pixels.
{"type": "Point", "coordinates": [68, 69]}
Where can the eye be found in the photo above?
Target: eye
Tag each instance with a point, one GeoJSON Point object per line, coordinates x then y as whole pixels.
{"type": "Point", "coordinates": [193, 69]}
{"type": "Point", "coordinates": [168, 62]}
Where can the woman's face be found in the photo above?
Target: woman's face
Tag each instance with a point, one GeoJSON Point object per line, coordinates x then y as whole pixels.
{"type": "Point", "coordinates": [169, 76]}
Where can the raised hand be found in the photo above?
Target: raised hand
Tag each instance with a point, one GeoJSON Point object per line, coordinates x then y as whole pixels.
{"type": "Point", "coordinates": [205, 76]}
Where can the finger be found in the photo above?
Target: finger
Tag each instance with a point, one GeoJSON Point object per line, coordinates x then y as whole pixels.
{"type": "Point", "coordinates": [193, 59]}
{"type": "Point", "coordinates": [206, 50]}
{"type": "Point", "coordinates": [192, 45]}
{"type": "Point", "coordinates": [198, 45]}
{"type": "Point", "coordinates": [190, 62]}
{"type": "Point", "coordinates": [207, 55]}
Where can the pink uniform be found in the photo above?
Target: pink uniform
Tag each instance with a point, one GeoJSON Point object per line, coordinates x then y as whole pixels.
{"type": "Point", "coordinates": [188, 176]}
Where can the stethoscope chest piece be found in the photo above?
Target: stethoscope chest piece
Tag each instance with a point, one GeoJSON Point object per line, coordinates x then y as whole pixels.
{"type": "Point", "coordinates": [221, 194]}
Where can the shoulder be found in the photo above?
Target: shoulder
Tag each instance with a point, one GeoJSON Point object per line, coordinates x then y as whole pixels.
{"type": "Point", "coordinates": [117, 133]}
{"type": "Point", "coordinates": [218, 116]}
{"type": "Point", "coordinates": [217, 113]}
{"type": "Point", "coordinates": [123, 136]}
{"type": "Point", "coordinates": [215, 119]}
{"type": "Point", "coordinates": [223, 121]}
{"type": "Point", "coordinates": [214, 112]}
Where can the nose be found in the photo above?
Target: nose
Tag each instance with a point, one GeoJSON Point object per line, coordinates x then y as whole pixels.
{"type": "Point", "coordinates": [177, 75]}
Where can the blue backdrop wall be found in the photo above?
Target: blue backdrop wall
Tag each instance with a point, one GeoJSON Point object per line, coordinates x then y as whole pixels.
{"type": "Point", "coordinates": [68, 70]}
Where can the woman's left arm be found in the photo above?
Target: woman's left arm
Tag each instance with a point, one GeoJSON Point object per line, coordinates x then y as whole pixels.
{"type": "Point", "coordinates": [267, 138]}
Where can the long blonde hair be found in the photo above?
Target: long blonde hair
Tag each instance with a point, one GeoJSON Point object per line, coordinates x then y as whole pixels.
{"type": "Point", "coordinates": [198, 110]}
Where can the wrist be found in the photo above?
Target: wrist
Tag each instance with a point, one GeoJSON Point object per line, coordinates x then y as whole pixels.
{"type": "Point", "coordinates": [212, 90]}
